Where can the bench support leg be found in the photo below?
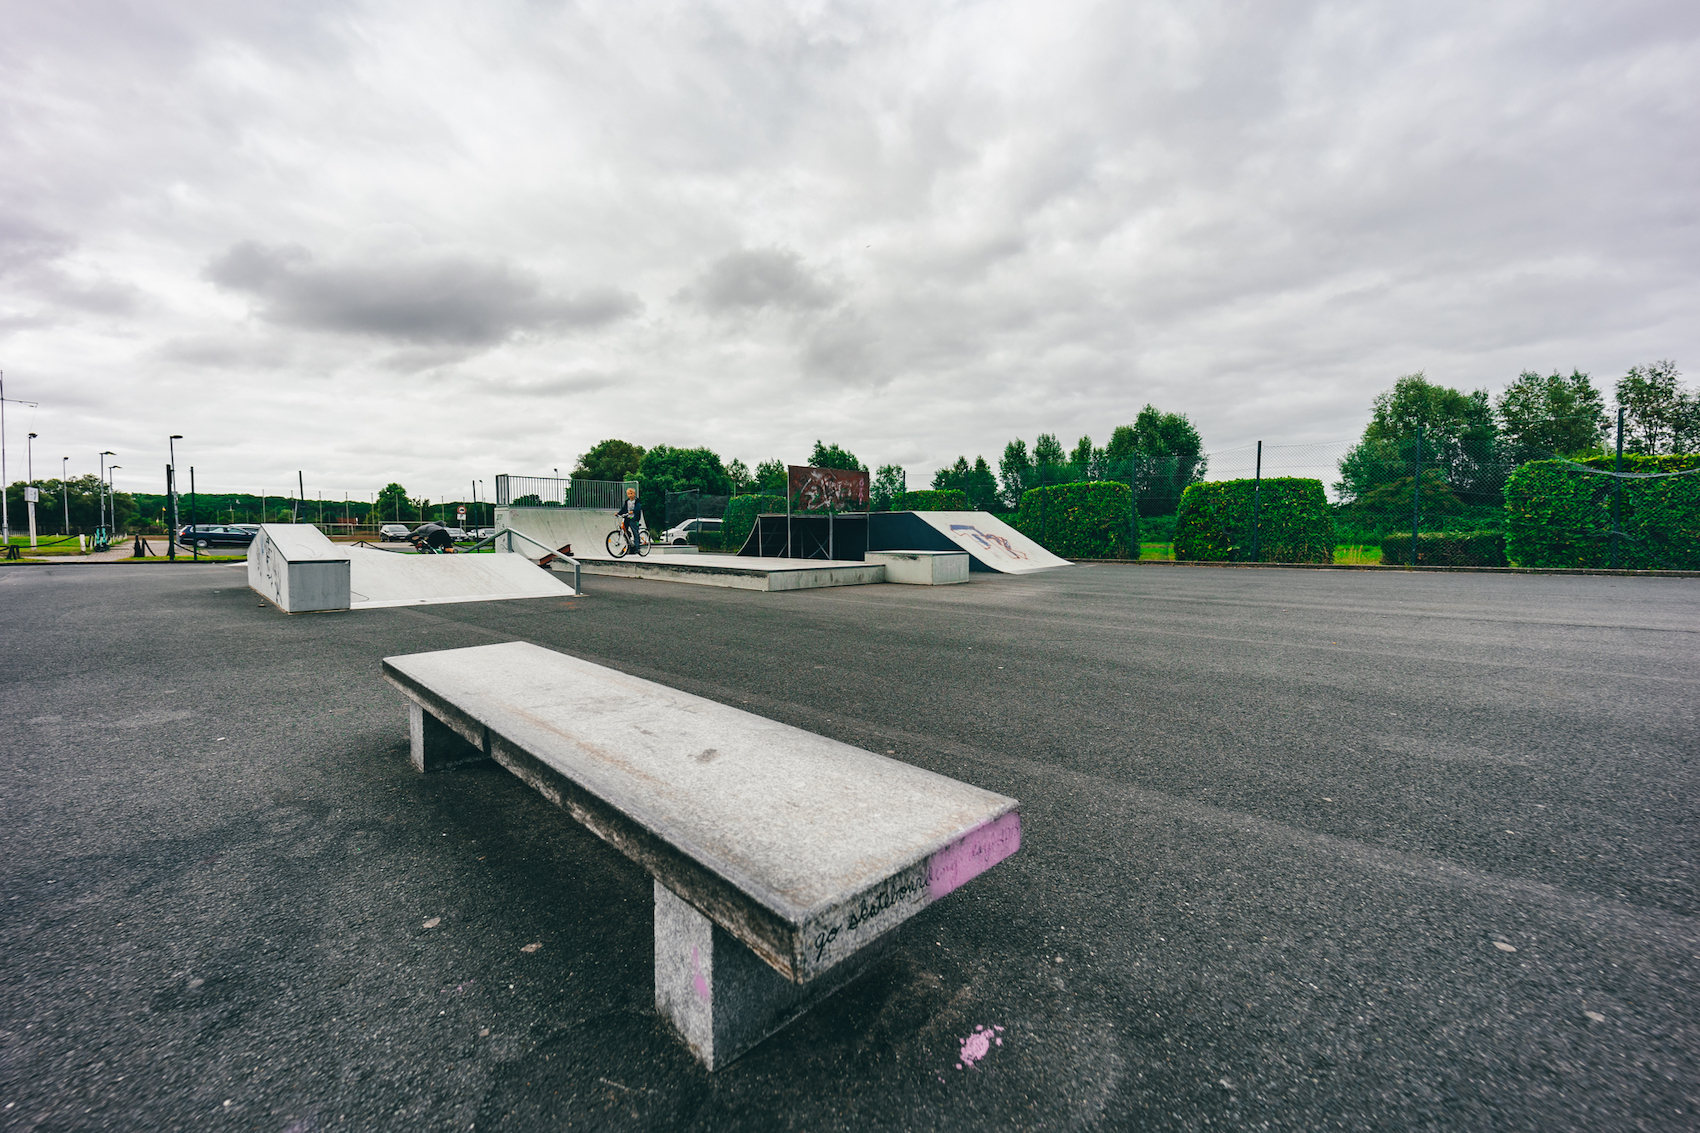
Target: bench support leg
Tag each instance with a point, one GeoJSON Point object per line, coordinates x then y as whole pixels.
{"type": "Point", "coordinates": [721, 997]}
{"type": "Point", "coordinates": [436, 745]}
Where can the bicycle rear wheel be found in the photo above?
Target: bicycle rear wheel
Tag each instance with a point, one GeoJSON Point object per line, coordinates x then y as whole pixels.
{"type": "Point", "coordinates": [643, 543]}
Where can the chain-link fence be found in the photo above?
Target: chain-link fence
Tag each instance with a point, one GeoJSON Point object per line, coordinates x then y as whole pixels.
{"type": "Point", "coordinates": [683, 507]}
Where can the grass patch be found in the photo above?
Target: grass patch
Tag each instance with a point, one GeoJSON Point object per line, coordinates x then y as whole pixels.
{"type": "Point", "coordinates": [1353, 555]}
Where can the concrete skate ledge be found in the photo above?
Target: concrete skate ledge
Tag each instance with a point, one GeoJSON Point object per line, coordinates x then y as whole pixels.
{"type": "Point", "coordinates": [743, 573]}
{"type": "Point", "coordinates": [780, 857]}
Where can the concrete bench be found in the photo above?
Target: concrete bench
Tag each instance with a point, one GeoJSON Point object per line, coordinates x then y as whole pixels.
{"type": "Point", "coordinates": [781, 860]}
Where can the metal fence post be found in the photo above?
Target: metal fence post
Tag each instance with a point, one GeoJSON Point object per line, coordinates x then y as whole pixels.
{"type": "Point", "coordinates": [1417, 497]}
{"type": "Point", "coordinates": [1617, 493]}
{"type": "Point", "coordinates": [1256, 500]}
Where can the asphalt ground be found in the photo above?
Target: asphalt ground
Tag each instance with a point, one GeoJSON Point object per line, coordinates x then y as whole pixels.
{"type": "Point", "coordinates": [1303, 850]}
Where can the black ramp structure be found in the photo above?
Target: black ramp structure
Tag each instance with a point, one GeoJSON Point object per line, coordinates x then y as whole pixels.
{"type": "Point", "coordinates": [841, 538]}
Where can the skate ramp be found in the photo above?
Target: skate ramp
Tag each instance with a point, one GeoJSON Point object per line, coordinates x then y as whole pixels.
{"type": "Point", "coordinates": [300, 570]}
{"type": "Point", "coordinates": [992, 544]}
{"type": "Point", "coordinates": [585, 528]}
{"type": "Point", "coordinates": [383, 578]}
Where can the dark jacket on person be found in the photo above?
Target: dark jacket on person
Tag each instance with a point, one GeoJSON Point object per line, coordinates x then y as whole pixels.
{"type": "Point", "coordinates": [632, 508]}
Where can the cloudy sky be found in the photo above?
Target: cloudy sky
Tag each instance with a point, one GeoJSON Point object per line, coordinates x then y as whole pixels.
{"type": "Point", "coordinates": [433, 241]}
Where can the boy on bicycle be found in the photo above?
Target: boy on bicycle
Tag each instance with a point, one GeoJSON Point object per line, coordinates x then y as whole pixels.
{"type": "Point", "coordinates": [630, 515]}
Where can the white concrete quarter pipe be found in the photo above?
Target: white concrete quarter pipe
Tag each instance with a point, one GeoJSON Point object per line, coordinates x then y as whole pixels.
{"type": "Point", "coordinates": [990, 542]}
{"type": "Point", "coordinates": [300, 570]}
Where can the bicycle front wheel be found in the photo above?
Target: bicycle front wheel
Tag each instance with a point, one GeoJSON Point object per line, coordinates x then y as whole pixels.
{"type": "Point", "coordinates": [616, 543]}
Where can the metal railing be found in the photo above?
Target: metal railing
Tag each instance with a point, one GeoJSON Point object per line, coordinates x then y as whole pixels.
{"type": "Point", "coordinates": [507, 535]}
{"type": "Point", "coordinates": [555, 491]}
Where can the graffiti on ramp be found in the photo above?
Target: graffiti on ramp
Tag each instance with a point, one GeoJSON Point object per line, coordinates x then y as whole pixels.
{"type": "Point", "coordinates": [987, 540]}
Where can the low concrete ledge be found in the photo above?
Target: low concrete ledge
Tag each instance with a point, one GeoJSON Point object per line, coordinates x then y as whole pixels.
{"type": "Point", "coordinates": [923, 568]}
{"type": "Point", "coordinates": [787, 574]}
{"type": "Point", "coordinates": [780, 857]}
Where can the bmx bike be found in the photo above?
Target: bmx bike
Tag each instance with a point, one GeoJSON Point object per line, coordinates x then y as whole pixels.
{"type": "Point", "coordinates": [620, 545]}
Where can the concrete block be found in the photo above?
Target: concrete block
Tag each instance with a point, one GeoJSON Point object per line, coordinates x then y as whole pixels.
{"type": "Point", "coordinates": [923, 568]}
{"type": "Point", "coordinates": [298, 568]}
{"type": "Point", "coordinates": [722, 998]}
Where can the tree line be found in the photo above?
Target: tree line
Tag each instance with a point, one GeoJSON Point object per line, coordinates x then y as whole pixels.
{"type": "Point", "coordinates": [1463, 446]}
{"type": "Point", "coordinates": [1159, 454]}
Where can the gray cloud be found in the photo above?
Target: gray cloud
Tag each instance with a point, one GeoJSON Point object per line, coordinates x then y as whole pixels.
{"type": "Point", "coordinates": [409, 298]}
{"type": "Point", "coordinates": [752, 279]}
{"type": "Point", "coordinates": [949, 224]}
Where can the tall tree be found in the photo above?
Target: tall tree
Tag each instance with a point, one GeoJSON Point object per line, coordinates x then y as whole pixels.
{"type": "Point", "coordinates": [668, 469]}
{"type": "Point", "coordinates": [889, 482]}
{"type": "Point", "coordinates": [1168, 455]}
{"type": "Point", "coordinates": [980, 485]}
{"type": "Point", "coordinates": [609, 460]}
{"type": "Point", "coordinates": [1015, 473]}
{"type": "Point", "coordinates": [1542, 416]}
{"type": "Point", "coordinates": [1082, 457]}
{"type": "Point", "coordinates": [739, 473]}
{"type": "Point", "coordinates": [1459, 440]}
{"type": "Point", "coordinates": [1660, 416]}
{"type": "Point", "coordinates": [393, 504]}
{"type": "Point", "coordinates": [771, 478]}
{"type": "Point", "coordinates": [1049, 457]}
{"type": "Point", "coordinates": [831, 456]}
{"type": "Point", "coordinates": [953, 477]}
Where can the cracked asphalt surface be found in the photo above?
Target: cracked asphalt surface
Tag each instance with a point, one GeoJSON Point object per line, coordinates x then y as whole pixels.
{"type": "Point", "coordinates": [1303, 850]}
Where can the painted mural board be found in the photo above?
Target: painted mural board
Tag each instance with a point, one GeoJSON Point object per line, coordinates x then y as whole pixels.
{"type": "Point", "coordinates": [824, 489]}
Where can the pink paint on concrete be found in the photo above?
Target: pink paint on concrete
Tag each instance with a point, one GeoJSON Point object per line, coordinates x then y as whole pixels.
{"type": "Point", "coordinates": [697, 980]}
{"type": "Point", "coordinates": [977, 1045]}
{"type": "Point", "coordinates": [973, 854]}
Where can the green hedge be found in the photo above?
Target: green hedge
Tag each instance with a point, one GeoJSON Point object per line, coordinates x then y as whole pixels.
{"type": "Point", "coordinates": [1559, 516]}
{"type": "Point", "coordinates": [1091, 520]}
{"type": "Point", "coordinates": [1213, 523]}
{"type": "Point", "coordinates": [1446, 548]}
{"type": "Point", "coordinates": [740, 517]}
{"type": "Point", "coordinates": [946, 499]}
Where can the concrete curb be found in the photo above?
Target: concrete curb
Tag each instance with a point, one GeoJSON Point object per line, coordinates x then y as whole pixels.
{"type": "Point", "coordinates": [1400, 569]}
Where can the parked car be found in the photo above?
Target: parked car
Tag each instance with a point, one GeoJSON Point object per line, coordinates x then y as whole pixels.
{"type": "Point", "coordinates": [393, 533]}
{"type": "Point", "coordinates": [458, 535]}
{"type": "Point", "coordinates": [681, 534]}
{"type": "Point", "coordinates": [214, 535]}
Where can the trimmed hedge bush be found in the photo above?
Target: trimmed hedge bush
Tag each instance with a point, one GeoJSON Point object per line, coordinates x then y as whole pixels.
{"type": "Point", "coordinates": [1295, 525]}
{"type": "Point", "coordinates": [1090, 520]}
{"type": "Point", "coordinates": [740, 517]}
{"type": "Point", "coordinates": [1559, 516]}
{"type": "Point", "coordinates": [1446, 548]}
{"type": "Point", "coordinates": [946, 499]}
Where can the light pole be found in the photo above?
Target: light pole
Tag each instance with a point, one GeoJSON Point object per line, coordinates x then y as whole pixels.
{"type": "Point", "coordinates": [475, 507]}
{"type": "Point", "coordinates": [30, 492]}
{"type": "Point", "coordinates": [65, 491]}
{"type": "Point", "coordinates": [102, 490]}
{"type": "Point", "coordinates": [171, 496]}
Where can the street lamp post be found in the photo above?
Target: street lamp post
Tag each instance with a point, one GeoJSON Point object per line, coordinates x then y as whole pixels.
{"type": "Point", "coordinates": [65, 491]}
{"type": "Point", "coordinates": [30, 492]}
{"type": "Point", "coordinates": [101, 490]}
